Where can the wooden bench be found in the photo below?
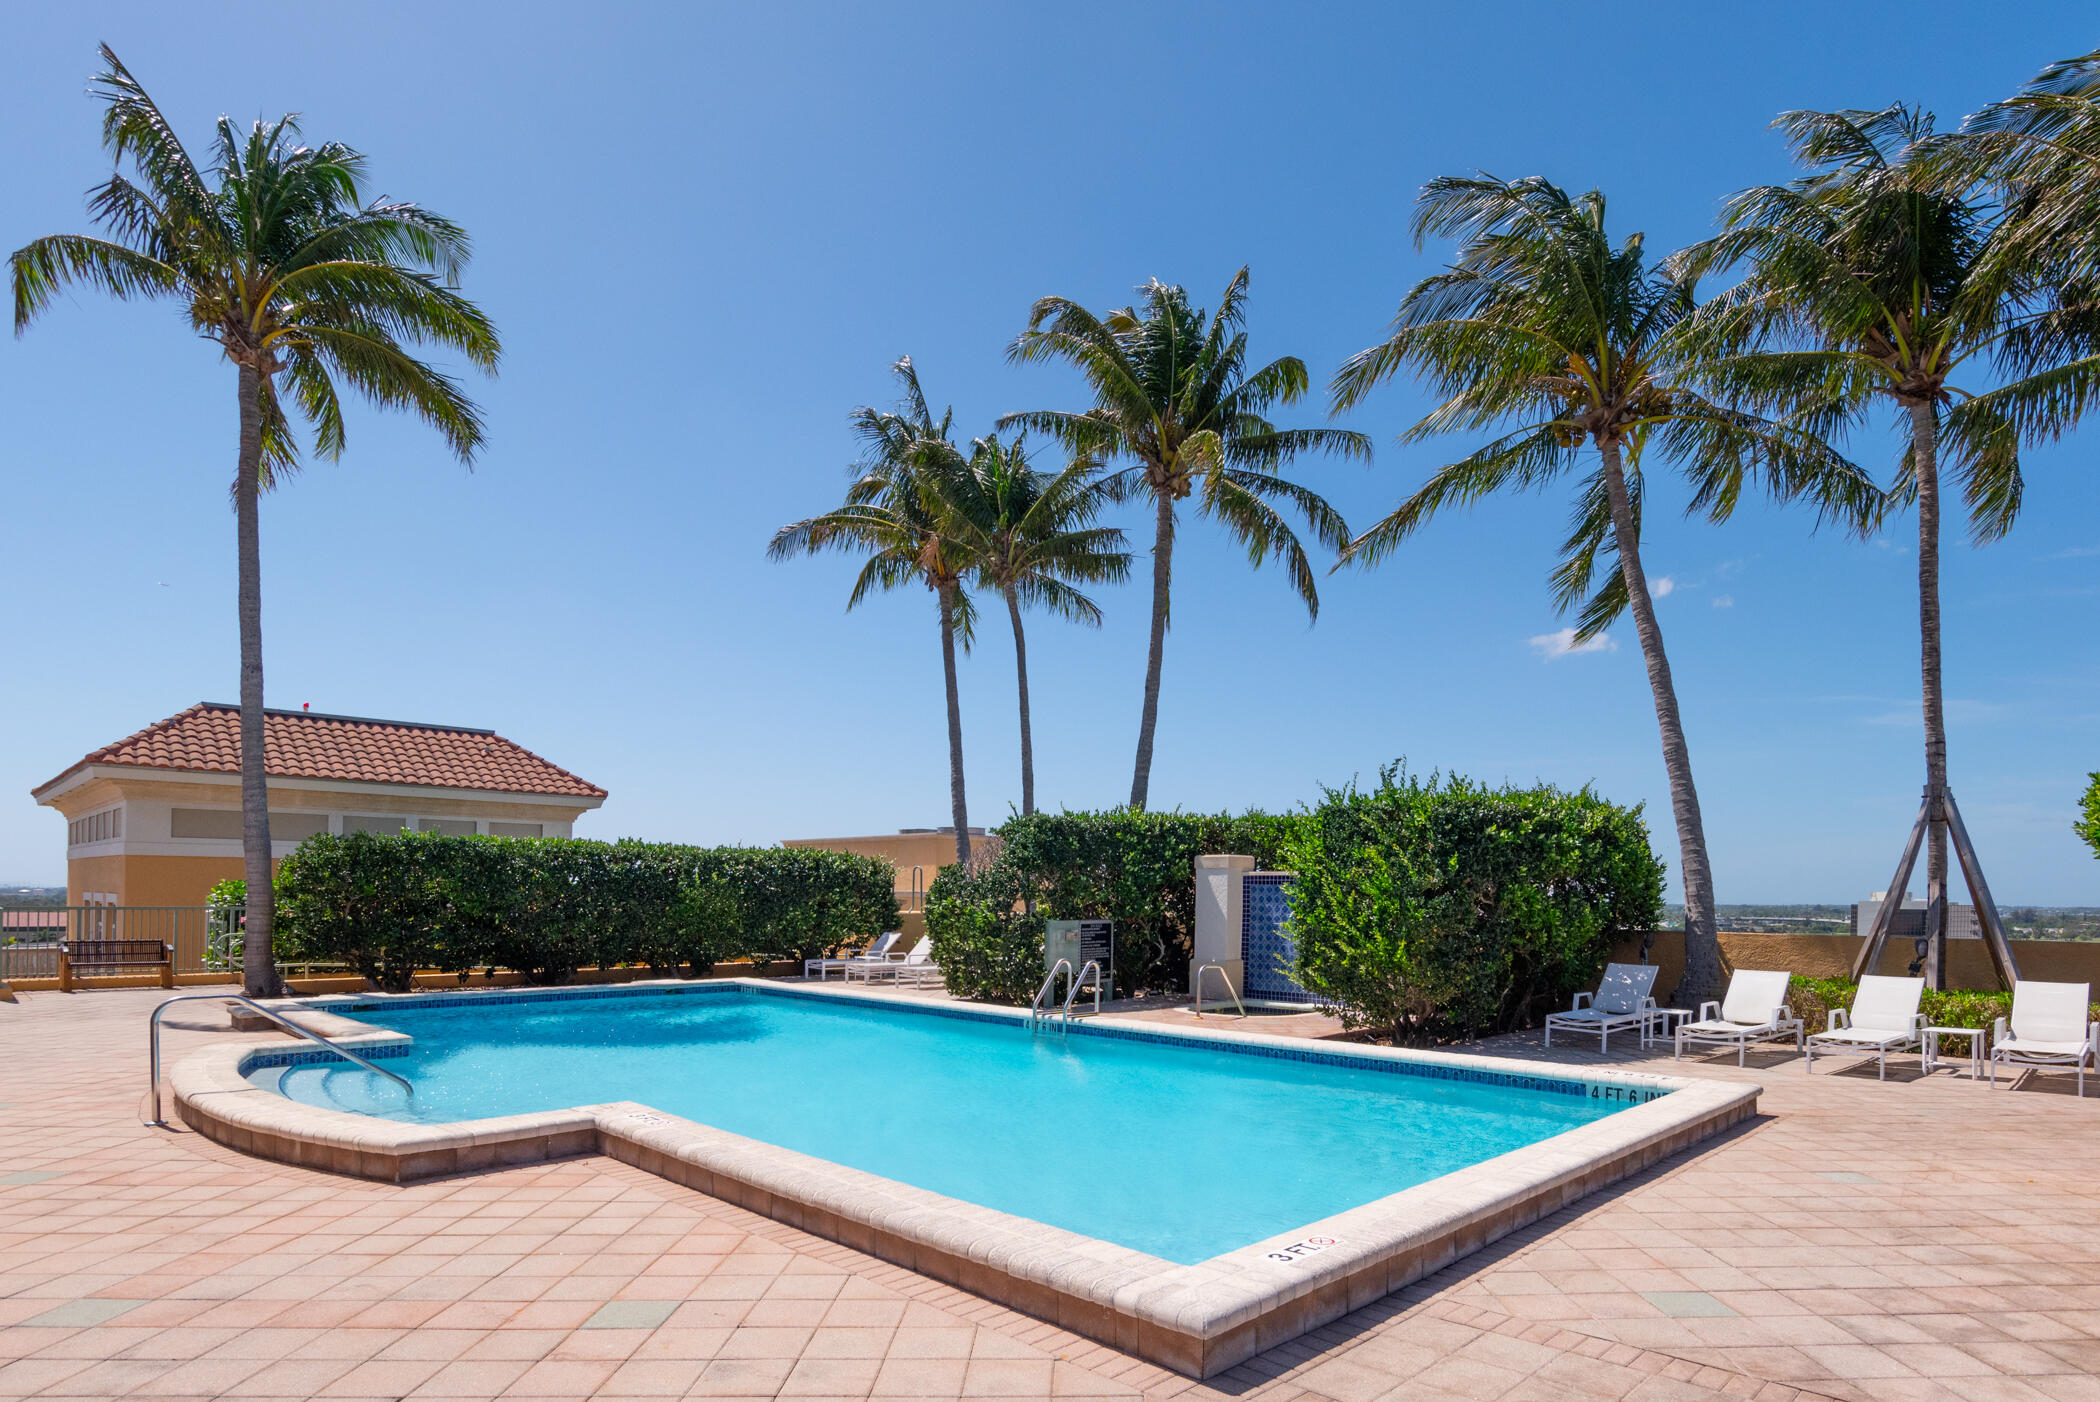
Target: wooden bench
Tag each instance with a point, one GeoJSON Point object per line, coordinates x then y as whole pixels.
{"type": "Point", "coordinates": [114, 956]}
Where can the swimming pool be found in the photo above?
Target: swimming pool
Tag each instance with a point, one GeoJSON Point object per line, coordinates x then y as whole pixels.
{"type": "Point", "coordinates": [1183, 1150]}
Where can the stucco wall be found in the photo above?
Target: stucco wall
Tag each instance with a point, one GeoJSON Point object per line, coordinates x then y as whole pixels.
{"type": "Point", "coordinates": [1830, 956]}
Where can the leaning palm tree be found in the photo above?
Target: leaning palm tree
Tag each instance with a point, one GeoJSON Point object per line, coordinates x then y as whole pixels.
{"type": "Point", "coordinates": [1033, 537]}
{"type": "Point", "coordinates": [892, 515]}
{"type": "Point", "coordinates": [1874, 282]}
{"type": "Point", "coordinates": [1557, 342]}
{"type": "Point", "coordinates": [1173, 396]}
{"type": "Point", "coordinates": [276, 256]}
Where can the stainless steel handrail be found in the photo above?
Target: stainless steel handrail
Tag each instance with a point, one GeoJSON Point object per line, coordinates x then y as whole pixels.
{"type": "Point", "coordinates": [153, 1042]}
{"type": "Point", "coordinates": [1036, 1010]}
{"type": "Point", "coordinates": [1197, 988]}
{"type": "Point", "coordinates": [1079, 986]}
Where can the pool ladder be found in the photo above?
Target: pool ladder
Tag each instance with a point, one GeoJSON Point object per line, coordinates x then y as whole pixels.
{"type": "Point", "coordinates": [1203, 969]}
{"type": "Point", "coordinates": [1040, 1009]}
{"type": "Point", "coordinates": [153, 1042]}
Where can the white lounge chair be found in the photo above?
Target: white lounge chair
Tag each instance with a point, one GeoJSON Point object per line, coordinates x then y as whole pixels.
{"type": "Point", "coordinates": [1621, 1002]}
{"type": "Point", "coordinates": [2051, 1026]}
{"type": "Point", "coordinates": [880, 949]}
{"type": "Point", "coordinates": [1884, 1017]}
{"type": "Point", "coordinates": [914, 965]}
{"type": "Point", "coordinates": [918, 966]}
{"type": "Point", "coordinates": [1755, 1010]}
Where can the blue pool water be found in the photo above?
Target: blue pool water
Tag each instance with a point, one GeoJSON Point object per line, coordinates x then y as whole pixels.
{"type": "Point", "coordinates": [1179, 1151]}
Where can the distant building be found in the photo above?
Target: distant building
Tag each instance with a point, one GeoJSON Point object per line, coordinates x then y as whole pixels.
{"type": "Point", "coordinates": [155, 819]}
{"type": "Point", "coordinates": [918, 854]}
{"type": "Point", "coordinates": [1909, 923]}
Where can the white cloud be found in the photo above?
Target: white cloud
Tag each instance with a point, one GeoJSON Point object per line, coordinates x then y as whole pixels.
{"type": "Point", "coordinates": [1724, 601]}
{"type": "Point", "coordinates": [1562, 644]}
{"type": "Point", "coordinates": [1662, 586]}
{"type": "Point", "coordinates": [2076, 552]}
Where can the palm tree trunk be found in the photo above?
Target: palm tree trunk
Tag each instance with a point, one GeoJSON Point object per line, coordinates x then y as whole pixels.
{"type": "Point", "coordinates": [955, 751]}
{"type": "Point", "coordinates": [258, 966]}
{"type": "Point", "coordinates": [1162, 576]}
{"type": "Point", "coordinates": [1925, 443]}
{"type": "Point", "coordinates": [1013, 611]}
{"type": "Point", "coordinates": [1702, 941]}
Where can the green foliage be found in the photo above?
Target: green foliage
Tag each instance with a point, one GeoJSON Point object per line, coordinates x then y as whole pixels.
{"type": "Point", "coordinates": [390, 905]}
{"type": "Point", "coordinates": [1440, 908]}
{"type": "Point", "coordinates": [225, 923]}
{"type": "Point", "coordinates": [986, 939]}
{"type": "Point", "coordinates": [1135, 868]}
{"type": "Point", "coordinates": [2088, 824]}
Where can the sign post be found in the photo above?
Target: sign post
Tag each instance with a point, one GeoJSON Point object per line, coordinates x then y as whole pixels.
{"type": "Point", "coordinates": [1079, 941]}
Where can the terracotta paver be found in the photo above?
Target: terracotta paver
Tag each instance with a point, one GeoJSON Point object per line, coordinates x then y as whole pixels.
{"type": "Point", "coordinates": [1967, 1267]}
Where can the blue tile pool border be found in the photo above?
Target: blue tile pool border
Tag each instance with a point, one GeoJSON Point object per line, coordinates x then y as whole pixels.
{"type": "Point", "coordinates": [1428, 1070]}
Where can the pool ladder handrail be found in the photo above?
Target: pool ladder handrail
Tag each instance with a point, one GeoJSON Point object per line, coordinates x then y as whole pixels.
{"type": "Point", "coordinates": [1197, 988]}
{"type": "Point", "coordinates": [1079, 986]}
{"type": "Point", "coordinates": [1038, 1008]}
{"type": "Point", "coordinates": [153, 1042]}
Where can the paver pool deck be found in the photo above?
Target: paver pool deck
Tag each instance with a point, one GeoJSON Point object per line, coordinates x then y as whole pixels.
{"type": "Point", "coordinates": [1923, 1238]}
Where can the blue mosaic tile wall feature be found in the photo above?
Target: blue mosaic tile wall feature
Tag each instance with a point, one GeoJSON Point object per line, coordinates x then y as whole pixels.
{"type": "Point", "coordinates": [1265, 902]}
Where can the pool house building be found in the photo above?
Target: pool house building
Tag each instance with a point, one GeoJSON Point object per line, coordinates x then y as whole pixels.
{"type": "Point", "coordinates": [155, 818]}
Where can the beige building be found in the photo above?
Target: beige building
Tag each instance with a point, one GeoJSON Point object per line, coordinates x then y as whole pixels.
{"type": "Point", "coordinates": [155, 819]}
{"type": "Point", "coordinates": [918, 854]}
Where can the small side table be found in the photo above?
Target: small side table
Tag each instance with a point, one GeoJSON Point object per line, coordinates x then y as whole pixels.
{"type": "Point", "coordinates": [1931, 1053]}
{"type": "Point", "coordinates": [1659, 1026]}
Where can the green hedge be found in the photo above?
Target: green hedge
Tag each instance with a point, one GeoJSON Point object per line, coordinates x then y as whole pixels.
{"type": "Point", "coordinates": [1440, 908]}
{"type": "Point", "coordinates": [1135, 868]}
{"type": "Point", "coordinates": [390, 904]}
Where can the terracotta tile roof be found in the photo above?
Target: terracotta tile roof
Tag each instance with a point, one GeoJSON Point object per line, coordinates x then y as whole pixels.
{"type": "Point", "coordinates": [308, 745]}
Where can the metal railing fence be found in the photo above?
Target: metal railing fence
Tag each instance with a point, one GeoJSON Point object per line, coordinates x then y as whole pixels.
{"type": "Point", "coordinates": [30, 950]}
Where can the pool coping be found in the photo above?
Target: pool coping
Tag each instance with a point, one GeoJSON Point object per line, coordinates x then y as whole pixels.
{"type": "Point", "coordinates": [1196, 1319]}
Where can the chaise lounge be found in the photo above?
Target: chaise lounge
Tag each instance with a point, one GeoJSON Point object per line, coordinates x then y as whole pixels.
{"type": "Point", "coordinates": [1755, 1010]}
{"type": "Point", "coordinates": [879, 950]}
{"type": "Point", "coordinates": [1621, 1003]}
{"type": "Point", "coordinates": [2051, 1025]}
{"type": "Point", "coordinates": [1884, 1017]}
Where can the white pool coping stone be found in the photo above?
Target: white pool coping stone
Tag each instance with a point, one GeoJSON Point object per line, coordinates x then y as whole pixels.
{"type": "Point", "coordinates": [1197, 1319]}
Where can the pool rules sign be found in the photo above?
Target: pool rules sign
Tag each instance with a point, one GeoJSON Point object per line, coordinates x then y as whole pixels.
{"type": "Point", "coordinates": [1081, 940]}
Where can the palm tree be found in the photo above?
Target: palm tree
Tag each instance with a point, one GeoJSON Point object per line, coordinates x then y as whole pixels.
{"type": "Point", "coordinates": [892, 515]}
{"type": "Point", "coordinates": [1033, 537]}
{"type": "Point", "coordinates": [1546, 334]}
{"type": "Point", "coordinates": [1173, 395]}
{"type": "Point", "coordinates": [1873, 281]}
{"type": "Point", "coordinates": [2041, 150]}
{"type": "Point", "coordinates": [279, 259]}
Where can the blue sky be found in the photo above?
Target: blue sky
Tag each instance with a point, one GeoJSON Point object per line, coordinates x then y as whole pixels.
{"type": "Point", "coordinates": [705, 232]}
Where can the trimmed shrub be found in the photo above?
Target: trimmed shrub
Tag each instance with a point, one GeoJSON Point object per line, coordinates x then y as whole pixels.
{"type": "Point", "coordinates": [1439, 908]}
{"type": "Point", "coordinates": [804, 902]}
{"type": "Point", "coordinates": [391, 904]}
{"type": "Point", "coordinates": [988, 943]}
{"type": "Point", "coordinates": [382, 905]}
{"type": "Point", "coordinates": [1135, 868]}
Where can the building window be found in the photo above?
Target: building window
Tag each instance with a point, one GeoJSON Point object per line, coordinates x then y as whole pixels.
{"type": "Point", "coordinates": [517, 829]}
{"type": "Point", "coordinates": [106, 826]}
{"type": "Point", "coordinates": [386, 824]}
{"type": "Point", "coordinates": [450, 827]}
{"type": "Point", "coordinates": [224, 824]}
